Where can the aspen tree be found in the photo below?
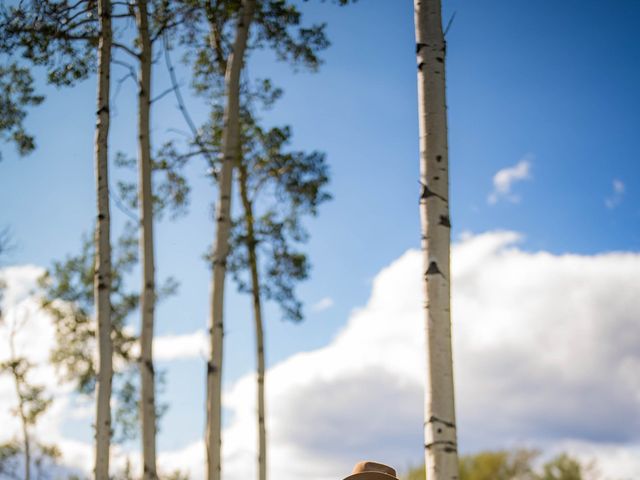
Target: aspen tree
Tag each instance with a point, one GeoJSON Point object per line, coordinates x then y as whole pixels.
{"type": "Point", "coordinates": [102, 279]}
{"type": "Point", "coordinates": [441, 458]}
{"type": "Point", "coordinates": [298, 180]}
{"type": "Point", "coordinates": [145, 202]}
{"type": "Point", "coordinates": [220, 55]}
{"type": "Point", "coordinates": [229, 157]}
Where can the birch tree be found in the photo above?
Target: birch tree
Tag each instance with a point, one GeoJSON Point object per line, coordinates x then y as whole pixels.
{"type": "Point", "coordinates": [147, 304]}
{"type": "Point", "coordinates": [149, 201]}
{"type": "Point", "coordinates": [102, 276]}
{"type": "Point", "coordinates": [62, 36]}
{"type": "Point", "coordinates": [295, 183]}
{"type": "Point", "coordinates": [218, 63]}
{"type": "Point", "coordinates": [229, 157]}
{"type": "Point", "coordinates": [277, 187]}
{"type": "Point", "coordinates": [441, 458]}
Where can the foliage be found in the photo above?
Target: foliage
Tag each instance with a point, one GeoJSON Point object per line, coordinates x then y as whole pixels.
{"type": "Point", "coordinates": [32, 398]}
{"type": "Point", "coordinates": [16, 94]}
{"type": "Point", "coordinates": [68, 296]}
{"type": "Point", "coordinates": [283, 186]}
{"type": "Point", "coordinates": [277, 26]}
{"type": "Point", "coordinates": [44, 458]}
{"type": "Point", "coordinates": [564, 467]}
{"type": "Point", "coordinates": [171, 190]}
{"type": "Point", "coordinates": [60, 35]}
{"type": "Point", "coordinates": [516, 465]}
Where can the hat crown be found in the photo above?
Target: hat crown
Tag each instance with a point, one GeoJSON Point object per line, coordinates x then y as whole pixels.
{"type": "Point", "coordinates": [366, 466]}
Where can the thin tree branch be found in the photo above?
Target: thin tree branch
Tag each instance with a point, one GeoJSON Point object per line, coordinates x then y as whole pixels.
{"type": "Point", "coordinates": [453, 15]}
{"type": "Point", "coordinates": [131, 52]}
{"type": "Point", "coordinates": [181, 105]}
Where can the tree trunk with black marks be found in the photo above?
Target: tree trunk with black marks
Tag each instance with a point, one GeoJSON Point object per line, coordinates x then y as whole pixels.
{"type": "Point", "coordinates": [257, 317]}
{"type": "Point", "coordinates": [230, 149]}
{"type": "Point", "coordinates": [145, 201]}
{"type": "Point", "coordinates": [441, 457]}
{"type": "Point", "coordinates": [102, 277]}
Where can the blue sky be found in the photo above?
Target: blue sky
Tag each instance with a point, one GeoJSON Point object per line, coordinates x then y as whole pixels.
{"type": "Point", "coordinates": [551, 83]}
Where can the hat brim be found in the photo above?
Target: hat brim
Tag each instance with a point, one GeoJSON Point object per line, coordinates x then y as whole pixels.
{"type": "Point", "coordinates": [371, 476]}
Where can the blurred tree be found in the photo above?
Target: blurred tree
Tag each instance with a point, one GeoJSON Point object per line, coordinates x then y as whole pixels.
{"type": "Point", "coordinates": [153, 20]}
{"type": "Point", "coordinates": [516, 465]}
{"type": "Point", "coordinates": [564, 467]}
{"type": "Point", "coordinates": [32, 401]}
{"type": "Point", "coordinates": [221, 39]}
{"type": "Point", "coordinates": [64, 36]}
{"type": "Point", "coordinates": [277, 188]}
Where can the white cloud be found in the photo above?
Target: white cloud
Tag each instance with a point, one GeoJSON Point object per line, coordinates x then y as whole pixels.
{"type": "Point", "coordinates": [175, 347]}
{"type": "Point", "coordinates": [322, 304]}
{"type": "Point", "coordinates": [546, 348]}
{"type": "Point", "coordinates": [504, 179]}
{"type": "Point", "coordinates": [617, 193]}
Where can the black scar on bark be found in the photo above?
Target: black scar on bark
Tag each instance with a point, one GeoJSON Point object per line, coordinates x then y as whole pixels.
{"type": "Point", "coordinates": [438, 158]}
{"type": "Point", "coordinates": [211, 368]}
{"type": "Point", "coordinates": [433, 269]}
{"type": "Point", "coordinates": [427, 192]}
{"type": "Point", "coordinates": [434, 419]}
{"type": "Point", "coordinates": [449, 447]}
{"type": "Point", "coordinates": [419, 46]}
{"type": "Point", "coordinates": [444, 221]}
{"type": "Point", "coordinates": [420, 65]}
{"type": "Point", "coordinates": [439, 59]}
{"type": "Point", "coordinates": [149, 366]}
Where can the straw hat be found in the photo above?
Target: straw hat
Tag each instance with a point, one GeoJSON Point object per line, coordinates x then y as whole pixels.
{"type": "Point", "coordinates": [372, 471]}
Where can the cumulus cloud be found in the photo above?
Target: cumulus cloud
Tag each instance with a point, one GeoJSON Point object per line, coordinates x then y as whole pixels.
{"type": "Point", "coordinates": [170, 347]}
{"type": "Point", "coordinates": [504, 179]}
{"type": "Point", "coordinates": [322, 304]}
{"type": "Point", "coordinates": [545, 350]}
{"type": "Point", "coordinates": [617, 193]}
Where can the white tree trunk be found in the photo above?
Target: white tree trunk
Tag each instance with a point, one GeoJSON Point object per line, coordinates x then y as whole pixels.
{"type": "Point", "coordinates": [257, 317]}
{"type": "Point", "coordinates": [230, 148]}
{"type": "Point", "coordinates": [441, 458]}
{"type": "Point", "coordinates": [102, 277]}
{"type": "Point", "coordinates": [145, 201]}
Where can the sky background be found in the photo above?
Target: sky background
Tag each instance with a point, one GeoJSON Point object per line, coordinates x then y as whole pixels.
{"type": "Point", "coordinates": [544, 112]}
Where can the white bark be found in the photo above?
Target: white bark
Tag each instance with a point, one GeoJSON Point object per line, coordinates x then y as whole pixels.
{"type": "Point", "coordinates": [102, 277]}
{"type": "Point", "coordinates": [230, 148]}
{"type": "Point", "coordinates": [258, 324]}
{"type": "Point", "coordinates": [145, 201]}
{"type": "Point", "coordinates": [441, 458]}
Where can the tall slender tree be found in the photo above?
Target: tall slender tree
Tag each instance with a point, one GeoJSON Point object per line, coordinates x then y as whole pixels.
{"type": "Point", "coordinates": [270, 230]}
{"type": "Point", "coordinates": [148, 200]}
{"type": "Point", "coordinates": [220, 54]}
{"type": "Point", "coordinates": [145, 202]}
{"type": "Point", "coordinates": [229, 157]}
{"type": "Point", "coordinates": [102, 278]}
{"type": "Point", "coordinates": [441, 457]}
